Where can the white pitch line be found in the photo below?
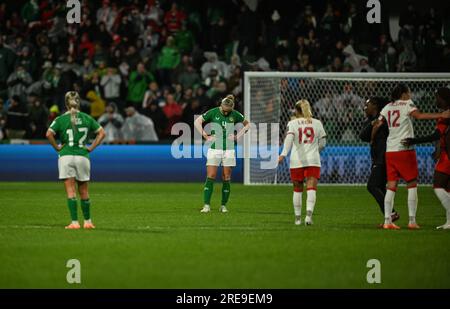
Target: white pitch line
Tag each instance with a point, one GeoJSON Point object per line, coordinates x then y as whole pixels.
{"type": "Point", "coordinates": [27, 227]}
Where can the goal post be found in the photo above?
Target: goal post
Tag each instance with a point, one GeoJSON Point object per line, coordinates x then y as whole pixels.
{"type": "Point", "coordinates": [337, 99]}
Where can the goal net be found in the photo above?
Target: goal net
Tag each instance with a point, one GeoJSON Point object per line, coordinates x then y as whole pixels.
{"type": "Point", "coordinates": [337, 99]}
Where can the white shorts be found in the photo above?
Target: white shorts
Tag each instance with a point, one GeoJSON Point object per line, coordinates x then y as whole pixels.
{"type": "Point", "coordinates": [74, 166]}
{"type": "Point", "coordinates": [216, 157]}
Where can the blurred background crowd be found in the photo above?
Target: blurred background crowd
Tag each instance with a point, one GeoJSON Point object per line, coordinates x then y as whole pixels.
{"type": "Point", "coordinates": [141, 66]}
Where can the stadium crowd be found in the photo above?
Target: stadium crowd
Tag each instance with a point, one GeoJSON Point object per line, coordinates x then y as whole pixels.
{"type": "Point", "coordinates": [141, 66]}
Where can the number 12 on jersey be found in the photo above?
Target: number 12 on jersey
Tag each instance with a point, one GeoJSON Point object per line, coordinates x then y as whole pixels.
{"type": "Point", "coordinates": [308, 132]}
{"type": "Point", "coordinates": [393, 117]}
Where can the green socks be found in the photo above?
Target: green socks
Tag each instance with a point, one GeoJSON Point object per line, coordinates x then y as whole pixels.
{"type": "Point", "coordinates": [208, 190]}
{"type": "Point", "coordinates": [72, 204]}
{"type": "Point", "coordinates": [225, 192]}
{"type": "Point", "coordinates": [85, 207]}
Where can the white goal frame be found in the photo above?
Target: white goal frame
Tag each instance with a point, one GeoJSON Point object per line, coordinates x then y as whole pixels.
{"type": "Point", "coordinates": [343, 76]}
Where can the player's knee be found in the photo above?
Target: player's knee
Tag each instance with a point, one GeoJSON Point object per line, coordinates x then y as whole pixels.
{"type": "Point", "coordinates": [298, 187]}
{"type": "Point", "coordinates": [411, 184]}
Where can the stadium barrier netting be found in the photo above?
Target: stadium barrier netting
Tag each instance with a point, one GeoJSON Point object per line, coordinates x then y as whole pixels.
{"type": "Point", "coordinates": [337, 99]}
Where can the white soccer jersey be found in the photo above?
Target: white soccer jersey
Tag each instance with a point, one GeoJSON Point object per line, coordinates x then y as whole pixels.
{"type": "Point", "coordinates": [398, 117]}
{"type": "Point", "coordinates": [305, 148]}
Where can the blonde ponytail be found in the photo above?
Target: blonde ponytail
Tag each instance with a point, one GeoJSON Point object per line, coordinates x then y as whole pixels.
{"type": "Point", "coordinates": [303, 109]}
{"type": "Point", "coordinates": [72, 99]}
{"type": "Point", "coordinates": [228, 101]}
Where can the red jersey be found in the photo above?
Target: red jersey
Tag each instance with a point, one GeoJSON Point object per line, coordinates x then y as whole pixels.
{"type": "Point", "coordinates": [442, 126]}
{"type": "Point", "coordinates": [443, 165]}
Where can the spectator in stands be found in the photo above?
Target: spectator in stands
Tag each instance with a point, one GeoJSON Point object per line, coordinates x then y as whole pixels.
{"type": "Point", "coordinates": [213, 78]}
{"type": "Point", "coordinates": [17, 119]}
{"type": "Point", "coordinates": [174, 18]}
{"type": "Point", "coordinates": [184, 39]}
{"type": "Point", "coordinates": [364, 65]}
{"type": "Point", "coordinates": [7, 61]}
{"type": "Point", "coordinates": [150, 38]}
{"type": "Point", "coordinates": [30, 11]}
{"type": "Point", "coordinates": [235, 82]}
{"type": "Point", "coordinates": [27, 60]}
{"type": "Point", "coordinates": [155, 113]}
{"type": "Point", "coordinates": [86, 47]}
{"type": "Point", "coordinates": [18, 83]}
{"type": "Point", "coordinates": [212, 62]}
{"type": "Point", "coordinates": [173, 112]}
{"type": "Point", "coordinates": [187, 98]}
{"type": "Point", "coordinates": [110, 83]}
{"type": "Point", "coordinates": [103, 36]}
{"type": "Point", "coordinates": [2, 119]}
{"type": "Point", "coordinates": [97, 104]}
{"type": "Point", "coordinates": [189, 78]}
{"type": "Point", "coordinates": [138, 128]}
{"type": "Point", "coordinates": [107, 14]}
{"type": "Point", "coordinates": [137, 85]}
{"type": "Point", "coordinates": [38, 118]}
{"type": "Point", "coordinates": [168, 60]}
{"type": "Point", "coordinates": [153, 94]}
{"type": "Point", "coordinates": [190, 111]}
{"type": "Point", "coordinates": [112, 122]}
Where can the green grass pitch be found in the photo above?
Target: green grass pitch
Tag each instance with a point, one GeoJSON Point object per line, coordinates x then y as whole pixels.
{"type": "Point", "coordinates": [152, 235]}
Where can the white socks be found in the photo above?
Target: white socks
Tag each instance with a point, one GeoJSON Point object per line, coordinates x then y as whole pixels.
{"type": "Point", "coordinates": [444, 197]}
{"type": "Point", "coordinates": [310, 201]}
{"type": "Point", "coordinates": [297, 201]}
{"type": "Point", "coordinates": [412, 204]}
{"type": "Point", "coordinates": [388, 205]}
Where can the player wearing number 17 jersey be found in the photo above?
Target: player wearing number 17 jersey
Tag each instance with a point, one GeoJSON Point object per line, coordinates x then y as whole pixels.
{"type": "Point", "coordinates": [401, 161]}
{"type": "Point", "coordinates": [73, 129]}
{"type": "Point", "coordinates": [306, 136]}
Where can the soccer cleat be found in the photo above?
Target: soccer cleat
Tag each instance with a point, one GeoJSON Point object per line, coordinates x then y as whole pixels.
{"type": "Point", "coordinates": [390, 226]}
{"type": "Point", "coordinates": [88, 225]}
{"type": "Point", "coordinates": [206, 209]}
{"type": "Point", "coordinates": [308, 220]}
{"type": "Point", "coordinates": [223, 209]}
{"type": "Point", "coordinates": [298, 220]}
{"type": "Point", "coordinates": [446, 226]}
{"type": "Point", "coordinates": [395, 216]}
{"type": "Point", "coordinates": [73, 226]}
{"type": "Point", "coordinates": [413, 226]}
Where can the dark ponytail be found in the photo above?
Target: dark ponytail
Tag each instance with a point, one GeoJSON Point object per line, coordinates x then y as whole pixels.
{"type": "Point", "coordinates": [397, 92]}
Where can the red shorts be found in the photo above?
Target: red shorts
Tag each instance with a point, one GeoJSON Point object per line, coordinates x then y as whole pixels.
{"type": "Point", "coordinates": [443, 165]}
{"type": "Point", "coordinates": [300, 173]}
{"type": "Point", "coordinates": [401, 164]}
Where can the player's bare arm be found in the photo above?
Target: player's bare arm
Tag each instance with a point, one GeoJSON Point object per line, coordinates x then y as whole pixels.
{"type": "Point", "coordinates": [244, 130]}
{"type": "Point", "coordinates": [429, 116]}
{"type": "Point", "coordinates": [98, 139]}
{"type": "Point", "coordinates": [50, 135]}
{"type": "Point", "coordinates": [198, 124]}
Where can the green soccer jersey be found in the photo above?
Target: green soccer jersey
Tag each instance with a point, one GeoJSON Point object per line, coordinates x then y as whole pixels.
{"type": "Point", "coordinates": [74, 138]}
{"type": "Point", "coordinates": [216, 117]}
